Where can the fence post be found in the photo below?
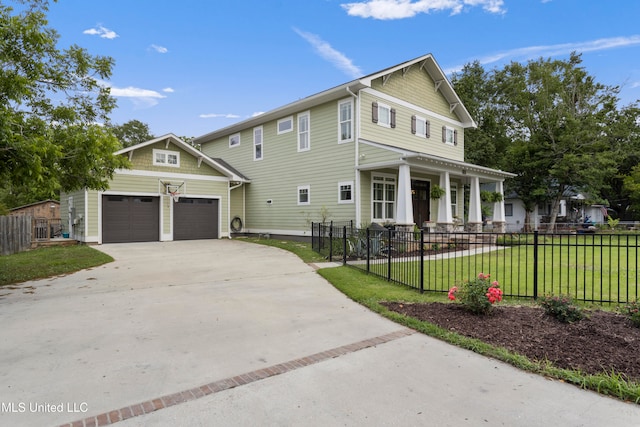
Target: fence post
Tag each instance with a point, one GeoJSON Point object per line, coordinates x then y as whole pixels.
{"type": "Point", "coordinates": [535, 265]}
{"type": "Point", "coordinates": [368, 251]}
{"type": "Point", "coordinates": [389, 255]}
{"type": "Point", "coordinates": [344, 245]}
{"type": "Point", "coordinates": [331, 241]}
{"type": "Point", "coordinates": [421, 261]}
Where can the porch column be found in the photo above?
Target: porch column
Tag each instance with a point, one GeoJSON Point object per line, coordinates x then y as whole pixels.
{"type": "Point", "coordinates": [475, 212]}
{"type": "Point", "coordinates": [499, 222]}
{"type": "Point", "coordinates": [445, 218]}
{"type": "Point", "coordinates": [404, 215]}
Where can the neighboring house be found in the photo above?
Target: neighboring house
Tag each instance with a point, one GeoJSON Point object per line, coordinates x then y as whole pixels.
{"type": "Point", "coordinates": [49, 209]}
{"type": "Point", "coordinates": [370, 150]}
{"type": "Point", "coordinates": [572, 213]}
{"type": "Point", "coordinates": [139, 206]}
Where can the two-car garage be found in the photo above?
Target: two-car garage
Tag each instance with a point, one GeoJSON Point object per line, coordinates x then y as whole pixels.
{"type": "Point", "coordinates": [137, 219]}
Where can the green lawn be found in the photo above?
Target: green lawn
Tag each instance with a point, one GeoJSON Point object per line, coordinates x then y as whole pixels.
{"type": "Point", "coordinates": [579, 266]}
{"type": "Point", "coordinates": [47, 262]}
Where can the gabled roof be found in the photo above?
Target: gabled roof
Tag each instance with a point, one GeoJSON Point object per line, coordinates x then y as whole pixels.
{"type": "Point", "coordinates": [217, 164]}
{"type": "Point", "coordinates": [426, 61]}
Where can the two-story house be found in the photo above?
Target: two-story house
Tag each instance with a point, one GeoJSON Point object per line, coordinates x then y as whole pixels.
{"type": "Point", "coordinates": [370, 150]}
{"type": "Point", "coordinates": [384, 148]}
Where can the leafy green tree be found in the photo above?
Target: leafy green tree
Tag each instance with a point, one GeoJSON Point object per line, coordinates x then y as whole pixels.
{"type": "Point", "coordinates": [132, 132]}
{"type": "Point", "coordinates": [51, 105]}
{"type": "Point", "coordinates": [559, 115]}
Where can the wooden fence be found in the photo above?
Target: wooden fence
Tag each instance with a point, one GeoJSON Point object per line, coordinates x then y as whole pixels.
{"type": "Point", "coordinates": [15, 234]}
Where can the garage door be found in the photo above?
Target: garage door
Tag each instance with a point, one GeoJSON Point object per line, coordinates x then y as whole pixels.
{"type": "Point", "coordinates": [130, 219]}
{"type": "Point", "coordinates": [195, 219]}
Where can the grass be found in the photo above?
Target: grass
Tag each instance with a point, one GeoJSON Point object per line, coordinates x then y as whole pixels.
{"type": "Point", "coordinates": [47, 262]}
{"type": "Point", "coordinates": [370, 290]}
{"type": "Point", "coordinates": [301, 249]}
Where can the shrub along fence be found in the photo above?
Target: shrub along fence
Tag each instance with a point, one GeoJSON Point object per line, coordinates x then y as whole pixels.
{"type": "Point", "coordinates": [598, 268]}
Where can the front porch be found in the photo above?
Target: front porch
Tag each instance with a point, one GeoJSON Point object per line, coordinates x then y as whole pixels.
{"type": "Point", "coordinates": [437, 195]}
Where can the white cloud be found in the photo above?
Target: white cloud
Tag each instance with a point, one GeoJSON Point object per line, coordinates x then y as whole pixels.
{"type": "Point", "coordinates": [142, 98]}
{"type": "Point", "coordinates": [214, 115]}
{"type": "Point", "coordinates": [168, 90]}
{"type": "Point", "coordinates": [545, 51]}
{"type": "Point", "coordinates": [101, 31]}
{"type": "Point", "coordinates": [159, 49]}
{"type": "Point", "coordinates": [257, 113]}
{"type": "Point", "coordinates": [328, 53]}
{"type": "Point", "coordinates": [400, 9]}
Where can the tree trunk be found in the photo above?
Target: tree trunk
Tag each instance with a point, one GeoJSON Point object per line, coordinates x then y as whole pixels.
{"type": "Point", "coordinates": [555, 208]}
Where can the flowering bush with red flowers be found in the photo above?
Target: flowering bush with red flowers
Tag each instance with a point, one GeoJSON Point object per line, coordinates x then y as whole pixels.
{"type": "Point", "coordinates": [477, 295]}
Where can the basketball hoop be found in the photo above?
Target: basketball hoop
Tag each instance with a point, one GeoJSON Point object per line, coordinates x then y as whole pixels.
{"type": "Point", "coordinates": [175, 196]}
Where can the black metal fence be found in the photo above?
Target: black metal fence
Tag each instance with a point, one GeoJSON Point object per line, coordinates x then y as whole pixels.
{"type": "Point", "coordinates": [598, 268]}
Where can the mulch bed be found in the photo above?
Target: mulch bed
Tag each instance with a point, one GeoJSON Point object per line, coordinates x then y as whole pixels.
{"type": "Point", "coordinates": [604, 341]}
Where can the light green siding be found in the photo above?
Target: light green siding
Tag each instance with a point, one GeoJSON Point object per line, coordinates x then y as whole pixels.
{"type": "Point", "coordinates": [283, 168]}
{"type": "Point", "coordinates": [415, 87]}
{"type": "Point", "coordinates": [401, 135]}
{"type": "Point", "coordinates": [142, 159]}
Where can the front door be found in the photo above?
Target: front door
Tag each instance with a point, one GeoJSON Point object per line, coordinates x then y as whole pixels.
{"type": "Point", "coordinates": [421, 201]}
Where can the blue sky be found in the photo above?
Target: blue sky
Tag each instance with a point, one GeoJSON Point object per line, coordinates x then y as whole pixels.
{"type": "Point", "coordinates": [191, 67]}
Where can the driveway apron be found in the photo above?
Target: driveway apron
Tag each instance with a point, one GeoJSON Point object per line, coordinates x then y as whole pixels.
{"type": "Point", "coordinates": [224, 332]}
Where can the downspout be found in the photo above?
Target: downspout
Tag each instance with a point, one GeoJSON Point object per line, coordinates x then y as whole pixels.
{"type": "Point", "coordinates": [356, 137]}
{"type": "Point", "coordinates": [229, 205]}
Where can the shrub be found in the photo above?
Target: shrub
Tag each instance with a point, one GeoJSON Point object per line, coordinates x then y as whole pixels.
{"type": "Point", "coordinates": [632, 311]}
{"type": "Point", "coordinates": [477, 295]}
{"type": "Point", "coordinates": [562, 308]}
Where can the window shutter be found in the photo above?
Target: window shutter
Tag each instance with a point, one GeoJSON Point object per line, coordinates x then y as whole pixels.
{"type": "Point", "coordinates": [455, 137]}
{"type": "Point", "coordinates": [428, 129]}
{"type": "Point", "coordinates": [413, 125]}
{"type": "Point", "coordinates": [374, 112]}
{"type": "Point", "coordinates": [444, 134]}
{"type": "Point", "coordinates": [393, 117]}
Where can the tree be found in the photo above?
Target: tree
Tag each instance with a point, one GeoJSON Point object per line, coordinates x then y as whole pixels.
{"type": "Point", "coordinates": [556, 114]}
{"type": "Point", "coordinates": [50, 107]}
{"type": "Point", "coordinates": [132, 132]}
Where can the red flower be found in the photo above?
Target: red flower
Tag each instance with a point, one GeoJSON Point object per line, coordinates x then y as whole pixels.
{"type": "Point", "coordinates": [452, 293]}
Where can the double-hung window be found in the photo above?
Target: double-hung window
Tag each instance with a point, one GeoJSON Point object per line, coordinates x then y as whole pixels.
{"type": "Point", "coordinates": [345, 120]}
{"type": "Point", "coordinates": [257, 143]}
{"type": "Point", "coordinates": [304, 195]}
{"type": "Point", "coordinates": [345, 192]}
{"type": "Point", "coordinates": [454, 201]}
{"type": "Point", "coordinates": [304, 133]}
{"type": "Point", "coordinates": [420, 127]}
{"type": "Point", "coordinates": [383, 197]}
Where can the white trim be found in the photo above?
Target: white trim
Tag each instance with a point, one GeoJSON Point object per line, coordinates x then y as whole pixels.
{"type": "Point", "coordinates": [86, 214]}
{"type": "Point", "coordinates": [138, 172]}
{"type": "Point", "coordinates": [231, 137]}
{"type": "Point", "coordinates": [308, 131]}
{"type": "Point", "coordinates": [403, 103]}
{"type": "Point", "coordinates": [165, 154]}
{"type": "Point", "coordinates": [304, 187]}
{"type": "Point", "coordinates": [289, 119]}
{"type": "Point", "coordinates": [340, 201]}
{"type": "Point", "coordinates": [380, 122]}
{"type": "Point", "coordinates": [352, 127]}
{"type": "Point", "coordinates": [384, 201]}
{"type": "Point", "coordinates": [261, 129]}
{"type": "Point", "coordinates": [450, 131]}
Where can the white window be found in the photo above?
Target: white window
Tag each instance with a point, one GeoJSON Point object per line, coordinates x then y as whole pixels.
{"type": "Point", "coordinates": [234, 140]}
{"type": "Point", "coordinates": [454, 200]}
{"type": "Point", "coordinates": [420, 127]}
{"type": "Point", "coordinates": [285, 125]}
{"type": "Point", "coordinates": [384, 115]}
{"type": "Point", "coordinates": [345, 192]}
{"type": "Point", "coordinates": [166, 158]}
{"type": "Point", "coordinates": [449, 135]}
{"type": "Point", "coordinates": [383, 197]}
{"type": "Point", "coordinates": [257, 143]}
{"type": "Point", "coordinates": [304, 134]}
{"type": "Point", "coordinates": [345, 120]}
{"type": "Point", "coordinates": [304, 195]}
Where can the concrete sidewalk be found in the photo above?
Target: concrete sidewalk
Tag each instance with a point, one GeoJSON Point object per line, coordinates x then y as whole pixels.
{"type": "Point", "coordinates": [230, 333]}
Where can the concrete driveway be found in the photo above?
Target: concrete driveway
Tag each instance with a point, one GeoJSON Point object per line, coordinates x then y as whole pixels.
{"type": "Point", "coordinates": [220, 332]}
